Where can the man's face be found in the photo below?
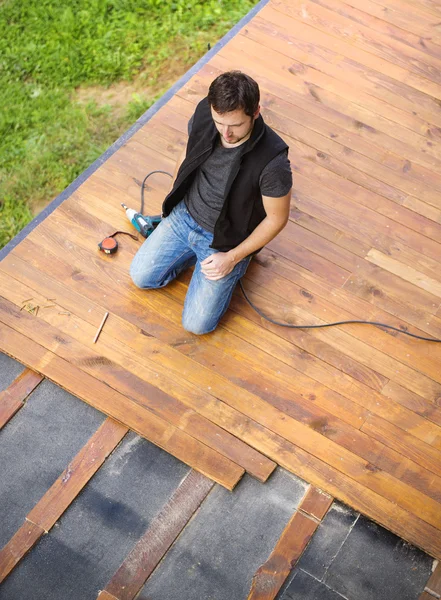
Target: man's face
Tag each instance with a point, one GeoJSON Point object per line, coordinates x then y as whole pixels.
{"type": "Point", "coordinates": [235, 127]}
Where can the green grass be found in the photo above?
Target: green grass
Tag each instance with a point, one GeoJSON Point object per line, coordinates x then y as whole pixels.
{"type": "Point", "coordinates": [48, 49]}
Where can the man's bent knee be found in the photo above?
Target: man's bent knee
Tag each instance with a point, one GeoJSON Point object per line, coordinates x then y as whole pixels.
{"type": "Point", "coordinates": [143, 279]}
{"type": "Point", "coordinates": [198, 326]}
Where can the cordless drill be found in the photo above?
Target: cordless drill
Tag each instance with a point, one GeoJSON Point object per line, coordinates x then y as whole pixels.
{"type": "Point", "coordinates": [144, 224]}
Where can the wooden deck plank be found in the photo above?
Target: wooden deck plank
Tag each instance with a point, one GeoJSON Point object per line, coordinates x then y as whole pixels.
{"type": "Point", "coordinates": [365, 114]}
{"type": "Point", "coordinates": [408, 18]}
{"type": "Point", "coordinates": [427, 6]}
{"type": "Point", "coordinates": [360, 351]}
{"type": "Point", "coordinates": [162, 532]}
{"type": "Point", "coordinates": [167, 309]}
{"type": "Point", "coordinates": [403, 422]}
{"type": "Point", "coordinates": [13, 397]}
{"type": "Point", "coordinates": [180, 401]}
{"type": "Point", "coordinates": [350, 434]}
{"type": "Point", "coordinates": [404, 524]}
{"type": "Point", "coordinates": [141, 392]}
{"type": "Point", "coordinates": [337, 19]}
{"type": "Point", "coordinates": [334, 59]}
{"type": "Point", "coordinates": [315, 25]}
{"type": "Point", "coordinates": [407, 28]}
{"type": "Point", "coordinates": [425, 482]}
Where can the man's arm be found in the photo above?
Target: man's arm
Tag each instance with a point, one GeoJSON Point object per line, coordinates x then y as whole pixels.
{"type": "Point", "coordinates": [220, 264]}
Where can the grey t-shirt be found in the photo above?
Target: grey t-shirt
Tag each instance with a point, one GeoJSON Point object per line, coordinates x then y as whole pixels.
{"type": "Point", "coordinates": [205, 197]}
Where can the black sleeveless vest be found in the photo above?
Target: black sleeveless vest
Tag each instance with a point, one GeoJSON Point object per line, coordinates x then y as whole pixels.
{"type": "Point", "coordinates": [243, 209]}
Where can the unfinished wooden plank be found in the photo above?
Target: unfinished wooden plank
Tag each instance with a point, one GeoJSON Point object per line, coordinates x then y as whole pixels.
{"type": "Point", "coordinates": [79, 471]}
{"type": "Point", "coordinates": [18, 547]}
{"type": "Point", "coordinates": [62, 493]}
{"type": "Point", "coordinates": [158, 538]}
{"type": "Point", "coordinates": [109, 401]}
{"type": "Point", "coordinates": [269, 577]}
{"type": "Point", "coordinates": [12, 399]}
{"type": "Point", "coordinates": [405, 272]}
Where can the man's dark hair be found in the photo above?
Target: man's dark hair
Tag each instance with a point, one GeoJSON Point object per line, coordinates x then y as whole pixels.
{"type": "Point", "coordinates": [234, 91]}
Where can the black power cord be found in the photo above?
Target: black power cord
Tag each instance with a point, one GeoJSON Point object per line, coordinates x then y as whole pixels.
{"type": "Point", "coordinates": [259, 312]}
{"type": "Point", "coordinates": [143, 186]}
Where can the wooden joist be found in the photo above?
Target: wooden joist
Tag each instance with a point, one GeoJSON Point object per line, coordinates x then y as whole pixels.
{"type": "Point", "coordinates": [14, 396]}
{"type": "Point", "coordinates": [162, 532]}
{"type": "Point", "coordinates": [61, 494]}
{"type": "Point", "coordinates": [270, 577]}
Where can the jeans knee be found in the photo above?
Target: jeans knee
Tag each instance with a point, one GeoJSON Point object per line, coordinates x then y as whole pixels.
{"type": "Point", "coordinates": [198, 327]}
{"type": "Point", "coordinates": [142, 279]}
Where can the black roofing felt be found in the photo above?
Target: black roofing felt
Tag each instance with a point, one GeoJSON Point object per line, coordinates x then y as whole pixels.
{"type": "Point", "coordinates": [35, 448]}
{"type": "Point", "coordinates": [9, 370]}
{"type": "Point", "coordinates": [218, 552]}
{"type": "Point", "coordinates": [350, 557]}
{"type": "Point", "coordinates": [228, 539]}
{"type": "Point", "coordinates": [82, 552]}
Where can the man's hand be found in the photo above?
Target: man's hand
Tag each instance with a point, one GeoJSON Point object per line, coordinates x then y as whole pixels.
{"type": "Point", "coordinates": [218, 265]}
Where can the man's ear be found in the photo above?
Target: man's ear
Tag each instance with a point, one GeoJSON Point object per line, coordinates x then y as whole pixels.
{"type": "Point", "coordinates": [257, 113]}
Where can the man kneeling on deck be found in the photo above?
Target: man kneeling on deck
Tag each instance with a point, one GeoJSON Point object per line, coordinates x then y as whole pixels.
{"type": "Point", "coordinates": [230, 197]}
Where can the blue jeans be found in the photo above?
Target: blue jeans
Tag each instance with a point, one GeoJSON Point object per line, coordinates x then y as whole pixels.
{"type": "Point", "coordinates": [176, 244]}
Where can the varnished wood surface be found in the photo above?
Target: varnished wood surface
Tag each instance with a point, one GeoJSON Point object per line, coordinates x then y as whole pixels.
{"type": "Point", "coordinates": [355, 90]}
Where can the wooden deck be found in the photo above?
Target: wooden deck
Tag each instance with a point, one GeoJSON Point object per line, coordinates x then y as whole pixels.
{"type": "Point", "coordinates": [355, 90]}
